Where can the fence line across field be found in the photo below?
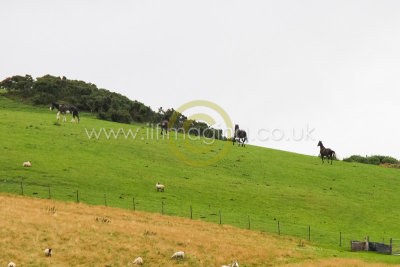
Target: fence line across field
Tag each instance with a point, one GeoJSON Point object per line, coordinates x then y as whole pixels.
{"type": "Point", "coordinates": [151, 206]}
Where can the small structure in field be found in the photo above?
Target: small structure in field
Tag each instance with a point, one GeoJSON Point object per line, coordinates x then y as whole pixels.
{"type": "Point", "coordinates": [371, 246]}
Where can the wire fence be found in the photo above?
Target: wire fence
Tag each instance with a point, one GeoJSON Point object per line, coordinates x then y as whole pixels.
{"type": "Point", "coordinates": [341, 239]}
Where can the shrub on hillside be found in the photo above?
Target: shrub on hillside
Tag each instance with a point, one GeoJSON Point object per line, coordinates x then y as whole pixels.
{"type": "Point", "coordinates": [389, 160]}
{"type": "Point", "coordinates": [43, 99]}
{"type": "Point", "coordinates": [120, 116]}
{"type": "Point", "coordinates": [23, 84]}
{"type": "Point", "coordinates": [375, 159]}
{"type": "Point", "coordinates": [103, 116]}
{"type": "Point", "coordinates": [355, 158]}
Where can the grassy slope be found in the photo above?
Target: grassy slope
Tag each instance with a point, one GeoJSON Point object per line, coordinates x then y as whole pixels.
{"type": "Point", "coordinates": [267, 185]}
{"type": "Point", "coordinates": [70, 229]}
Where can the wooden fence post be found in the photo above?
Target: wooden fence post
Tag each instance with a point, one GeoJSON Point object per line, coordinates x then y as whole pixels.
{"type": "Point", "coordinates": [105, 200]}
{"type": "Point", "coordinates": [191, 212]}
{"type": "Point", "coordinates": [391, 250]}
{"type": "Point", "coordinates": [279, 229]}
{"type": "Point", "coordinates": [220, 219]}
{"type": "Point", "coordinates": [248, 217]}
{"type": "Point", "coordinates": [340, 239]}
{"type": "Point", "coordinates": [22, 189]}
{"type": "Point", "coordinates": [49, 193]}
{"type": "Point", "coordinates": [162, 207]}
{"type": "Point", "coordinates": [134, 206]}
{"type": "Point", "coordinates": [309, 233]}
{"type": "Point", "coordinates": [77, 196]}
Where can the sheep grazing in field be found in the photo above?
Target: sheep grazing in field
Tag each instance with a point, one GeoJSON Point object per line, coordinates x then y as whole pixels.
{"type": "Point", "coordinates": [178, 255]}
{"type": "Point", "coordinates": [47, 252]}
{"type": "Point", "coordinates": [11, 264]}
{"type": "Point", "coordinates": [160, 187]}
{"type": "Point", "coordinates": [138, 261]}
{"type": "Point", "coordinates": [234, 264]}
{"type": "Point", "coordinates": [26, 164]}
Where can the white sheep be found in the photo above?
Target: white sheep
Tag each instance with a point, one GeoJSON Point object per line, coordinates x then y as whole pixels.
{"type": "Point", "coordinates": [26, 164]}
{"type": "Point", "coordinates": [138, 261]}
{"type": "Point", "coordinates": [179, 254]}
{"type": "Point", "coordinates": [11, 264]}
{"type": "Point", "coordinates": [234, 264]}
{"type": "Point", "coordinates": [48, 252]}
{"type": "Point", "coordinates": [160, 187]}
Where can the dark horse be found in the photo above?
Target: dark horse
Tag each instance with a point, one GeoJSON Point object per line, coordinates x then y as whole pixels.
{"type": "Point", "coordinates": [326, 152]}
{"type": "Point", "coordinates": [240, 135]}
{"type": "Point", "coordinates": [164, 126]}
{"type": "Point", "coordinates": [64, 109]}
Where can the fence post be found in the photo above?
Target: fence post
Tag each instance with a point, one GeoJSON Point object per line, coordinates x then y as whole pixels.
{"type": "Point", "coordinates": [279, 229]}
{"type": "Point", "coordinates": [340, 239]}
{"type": "Point", "coordinates": [105, 200]}
{"type": "Point", "coordinates": [191, 212]}
{"type": "Point", "coordinates": [220, 219]}
{"type": "Point", "coordinates": [134, 206]}
{"type": "Point", "coordinates": [248, 217]}
{"type": "Point", "coordinates": [77, 196]}
{"type": "Point", "coordinates": [391, 249]}
{"type": "Point", "coordinates": [22, 189]}
{"type": "Point", "coordinates": [49, 193]}
{"type": "Point", "coordinates": [309, 233]}
{"type": "Point", "coordinates": [162, 207]}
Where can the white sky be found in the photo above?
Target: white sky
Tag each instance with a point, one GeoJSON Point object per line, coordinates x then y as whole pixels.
{"type": "Point", "coordinates": [332, 65]}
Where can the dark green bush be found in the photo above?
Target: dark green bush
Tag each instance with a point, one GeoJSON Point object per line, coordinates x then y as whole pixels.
{"type": "Point", "coordinates": [375, 159]}
{"type": "Point", "coordinates": [120, 116]}
{"type": "Point", "coordinates": [43, 98]}
{"type": "Point", "coordinates": [390, 160]}
{"type": "Point", "coordinates": [103, 115]}
{"type": "Point", "coordinates": [355, 158]}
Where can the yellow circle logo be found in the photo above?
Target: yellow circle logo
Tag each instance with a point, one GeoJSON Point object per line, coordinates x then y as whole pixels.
{"type": "Point", "coordinates": [193, 149]}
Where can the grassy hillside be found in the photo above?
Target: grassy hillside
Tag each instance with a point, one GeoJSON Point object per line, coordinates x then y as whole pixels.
{"type": "Point", "coordinates": [81, 235]}
{"type": "Point", "coordinates": [266, 185]}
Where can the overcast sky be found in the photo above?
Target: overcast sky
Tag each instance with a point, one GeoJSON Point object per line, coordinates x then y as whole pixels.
{"type": "Point", "coordinates": [331, 65]}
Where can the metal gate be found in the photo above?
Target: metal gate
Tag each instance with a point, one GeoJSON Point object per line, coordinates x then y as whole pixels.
{"type": "Point", "coordinates": [396, 247]}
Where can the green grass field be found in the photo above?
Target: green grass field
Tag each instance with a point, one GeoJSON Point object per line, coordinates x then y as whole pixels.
{"type": "Point", "coordinates": [264, 184]}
